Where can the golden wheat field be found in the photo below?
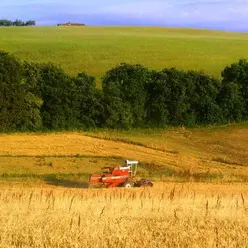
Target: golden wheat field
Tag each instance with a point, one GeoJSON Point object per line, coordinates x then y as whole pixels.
{"type": "Point", "coordinates": [169, 215]}
{"type": "Point", "coordinates": [199, 198]}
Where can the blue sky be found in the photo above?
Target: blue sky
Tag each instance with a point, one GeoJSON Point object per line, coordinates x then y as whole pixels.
{"type": "Point", "coordinates": [214, 14]}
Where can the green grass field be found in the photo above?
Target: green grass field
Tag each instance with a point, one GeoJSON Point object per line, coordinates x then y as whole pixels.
{"type": "Point", "coordinates": [97, 49]}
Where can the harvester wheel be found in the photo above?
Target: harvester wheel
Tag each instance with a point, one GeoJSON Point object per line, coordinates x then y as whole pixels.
{"type": "Point", "coordinates": [128, 184]}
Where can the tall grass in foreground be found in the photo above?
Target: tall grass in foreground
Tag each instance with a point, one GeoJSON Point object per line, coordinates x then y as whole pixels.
{"type": "Point", "coordinates": [173, 217]}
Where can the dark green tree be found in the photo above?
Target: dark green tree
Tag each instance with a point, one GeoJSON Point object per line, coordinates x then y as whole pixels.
{"type": "Point", "coordinates": [231, 102]}
{"type": "Point", "coordinates": [237, 73]}
{"type": "Point", "coordinates": [30, 23]}
{"type": "Point", "coordinates": [87, 101]}
{"type": "Point", "coordinates": [19, 107]}
{"type": "Point", "coordinates": [125, 87]}
{"type": "Point", "coordinates": [117, 113]}
{"type": "Point", "coordinates": [157, 100]}
{"type": "Point", "coordinates": [18, 23]}
{"type": "Point", "coordinates": [167, 98]}
{"type": "Point", "coordinates": [55, 88]}
{"type": "Point", "coordinates": [5, 22]}
{"type": "Point", "coordinates": [202, 92]}
{"type": "Point", "coordinates": [177, 97]}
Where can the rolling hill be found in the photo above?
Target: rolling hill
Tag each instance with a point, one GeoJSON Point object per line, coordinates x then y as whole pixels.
{"type": "Point", "coordinates": [97, 49]}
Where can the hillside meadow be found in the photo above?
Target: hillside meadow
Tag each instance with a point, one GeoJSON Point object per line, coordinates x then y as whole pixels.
{"type": "Point", "coordinates": [95, 50]}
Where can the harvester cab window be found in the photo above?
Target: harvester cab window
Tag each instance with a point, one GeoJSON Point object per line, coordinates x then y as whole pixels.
{"type": "Point", "coordinates": [132, 164]}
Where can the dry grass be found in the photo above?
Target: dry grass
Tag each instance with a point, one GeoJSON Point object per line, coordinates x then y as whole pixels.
{"type": "Point", "coordinates": [48, 165]}
{"type": "Point", "coordinates": [226, 142]}
{"type": "Point", "coordinates": [186, 215]}
{"type": "Point", "coordinates": [75, 144]}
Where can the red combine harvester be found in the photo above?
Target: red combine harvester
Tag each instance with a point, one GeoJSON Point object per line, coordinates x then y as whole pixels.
{"type": "Point", "coordinates": [122, 176]}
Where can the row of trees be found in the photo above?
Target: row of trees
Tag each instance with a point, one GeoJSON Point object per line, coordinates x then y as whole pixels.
{"type": "Point", "coordinates": [17, 23]}
{"type": "Point", "coordinates": [43, 97]}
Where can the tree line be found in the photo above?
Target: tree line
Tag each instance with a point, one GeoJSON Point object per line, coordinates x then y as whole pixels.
{"type": "Point", "coordinates": [17, 23]}
{"type": "Point", "coordinates": [37, 97]}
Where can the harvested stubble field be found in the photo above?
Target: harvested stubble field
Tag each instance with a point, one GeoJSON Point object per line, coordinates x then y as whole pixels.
{"type": "Point", "coordinates": [186, 215]}
{"type": "Point", "coordinates": [217, 154]}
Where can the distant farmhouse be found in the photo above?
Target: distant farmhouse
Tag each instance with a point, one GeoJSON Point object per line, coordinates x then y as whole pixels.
{"type": "Point", "coordinates": [70, 24]}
